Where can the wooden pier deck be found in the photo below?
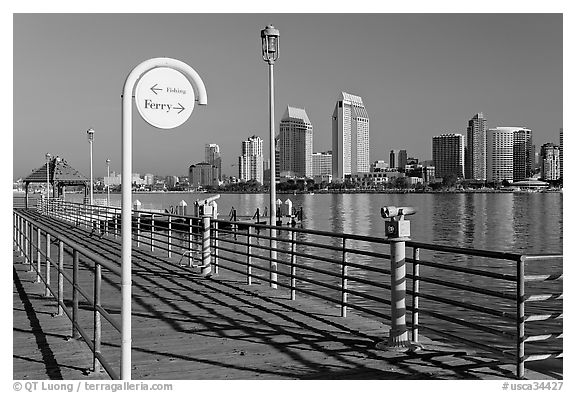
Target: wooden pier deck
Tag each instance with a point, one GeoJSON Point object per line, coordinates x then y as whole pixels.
{"type": "Point", "coordinates": [188, 327]}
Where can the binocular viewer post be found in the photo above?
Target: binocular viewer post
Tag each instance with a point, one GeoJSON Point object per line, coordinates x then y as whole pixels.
{"type": "Point", "coordinates": [398, 232]}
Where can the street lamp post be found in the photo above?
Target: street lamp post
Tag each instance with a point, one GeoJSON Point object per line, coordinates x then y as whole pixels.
{"type": "Point", "coordinates": [48, 156]}
{"type": "Point", "coordinates": [90, 134]}
{"type": "Point", "coordinates": [270, 51]}
{"type": "Point", "coordinates": [108, 185]}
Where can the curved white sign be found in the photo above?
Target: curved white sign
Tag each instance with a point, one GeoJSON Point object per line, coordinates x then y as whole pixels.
{"type": "Point", "coordinates": [164, 97]}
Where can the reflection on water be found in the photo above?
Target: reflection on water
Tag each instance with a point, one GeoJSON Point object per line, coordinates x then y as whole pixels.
{"type": "Point", "coordinates": [516, 222]}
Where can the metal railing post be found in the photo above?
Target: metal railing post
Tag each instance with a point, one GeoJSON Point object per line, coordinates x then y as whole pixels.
{"type": "Point", "coordinates": [75, 258]}
{"type": "Point", "coordinates": [31, 247]}
{"type": "Point", "coordinates": [206, 265]}
{"type": "Point", "coordinates": [216, 250]}
{"type": "Point", "coordinates": [249, 256]}
{"type": "Point", "coordinates": [152, 233]}
{"type": "Point", "coordinates": [344, 281]}
{"type": "Point", "coordinates": [20, 236]}
{"type": "Point", "coordinates": [38, 254]}
{"type": "Point", "coordinates": [520, 318]}
{"type": "Point", "coordinates": [60, 277]}
{"type": "Point", "coordinates": [26, 242]}
{"type": "Point", "coordinates": [416, 293]}
{"type": "Point", "coordinates": [190, 241]}
{"type": "Point", "coordinates": [137, 229]}
{"type": "Point", "coordinates": [292, 265]}
{"type": "Point", "coordinates": [47, 290]}
{"type": "Point", "coordinates": [169, 236]}
{"type": "Point", "coordinates": [97, 322]}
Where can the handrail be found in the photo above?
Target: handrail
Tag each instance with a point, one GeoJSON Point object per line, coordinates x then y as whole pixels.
{"type": "Point", "coordinates": [244, 249]}
{"type": "Point", "coordinates": [99, 360]}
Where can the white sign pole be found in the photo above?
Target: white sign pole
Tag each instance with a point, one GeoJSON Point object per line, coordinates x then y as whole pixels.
{"type": "Point", "coordinates": [126, 286]}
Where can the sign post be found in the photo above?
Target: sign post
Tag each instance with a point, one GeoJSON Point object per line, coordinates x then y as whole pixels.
{"type": "Point", "coordinates": [165, 98]}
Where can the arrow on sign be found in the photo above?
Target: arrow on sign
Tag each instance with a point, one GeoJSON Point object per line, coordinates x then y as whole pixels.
{"type": "Point", "coordinates": [181, 108]}
{"type": "Point", "coordinates": [154, 88]}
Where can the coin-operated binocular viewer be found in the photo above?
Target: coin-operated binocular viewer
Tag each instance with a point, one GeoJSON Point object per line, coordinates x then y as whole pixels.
{"type": "Point", "coordinates": [397, 232]}
{"type": "Point", "coordinates": [397, 226]}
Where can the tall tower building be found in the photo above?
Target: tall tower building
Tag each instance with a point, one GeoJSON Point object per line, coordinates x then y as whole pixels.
{"type": "Point", "coordinates": [350, 137]}
{"type": "Point", "coordinates": [251, 162]}
{"type": "Point", "coordinates": [550, 159]}
{"type": "Point", "coordinates": [476, 148]}
{"type": "Point", "coordinates": [523, 155]}
{"type": "Point", "coordinates": [212, 157]}
{"type": "Point", "coordinates": [394, 158]}
{"type": "Point", "coordinates": [295, 143]}
{"type": "Point", "coordinates": [500, 153]}
{"type": "Point", "coordinates": [448, 155]}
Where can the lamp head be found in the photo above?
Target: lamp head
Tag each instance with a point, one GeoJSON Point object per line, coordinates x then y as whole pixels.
{"type": "Point", "coordinates": [270, 44]}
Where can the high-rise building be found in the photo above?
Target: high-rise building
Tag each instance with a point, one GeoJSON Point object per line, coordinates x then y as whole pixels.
{"type": "Point", "coordinates": [562, 153]}
{"type": "Point", "coordinates": [171, 181]}
{"type": "Point", "coordinates": [394, 158]}
{"type": "Point", "coordinates": [296, 143]}
{"type": "Point", "coordinates": [203, 174]}
{"type": "Point", "coordinates": [149, 179]}
{"type": "Point", "coordinates": [322, 163]}
{"type": "Point", "coordinates": [523, 155]}
{"type": "Point", "coordinates": [448, 155]}
{"type": "Point", "coordinates": [350, 137]}
{"type": "Point", "coordinates": [476, 148]}
{"type": "Point", "coordinates": [212, 157]}
{"type": "Point", "coordinates": [550, 159]}
{"type": "Point", "coordinates": [500, 153]}
{"type": "Point", "coordinates": [251, 162]}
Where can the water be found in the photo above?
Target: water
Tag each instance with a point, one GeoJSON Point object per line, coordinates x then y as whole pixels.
{"type": "Point", "coordinates": [527, 223]}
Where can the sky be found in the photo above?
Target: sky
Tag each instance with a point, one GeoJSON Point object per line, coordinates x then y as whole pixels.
{"type": "Point", "coordinates": [419, 75]}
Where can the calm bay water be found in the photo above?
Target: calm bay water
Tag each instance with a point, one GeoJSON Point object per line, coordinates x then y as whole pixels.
{"type": "Point", "coordinates": [514, 222]}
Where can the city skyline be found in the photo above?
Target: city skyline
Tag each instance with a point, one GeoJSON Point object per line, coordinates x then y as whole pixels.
{"type": "Point", "coordinates": [413, 72]}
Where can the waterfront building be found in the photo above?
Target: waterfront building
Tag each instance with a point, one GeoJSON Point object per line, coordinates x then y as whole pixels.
{"type": "Point", "coordinates": [550, 162]}
{"type": "Point", "coordinates": [448, 155]}
{"type": "Point", "coordinates": [171, 181]}
{"type": "Point", "coordinates": [115, 179]}
{"type": "Point", "coordinates": [296, 143]}
{"type": "Point", "coordinates": [475, 160]}
{"type": "Point", "coordinates": [212, 157]}
{"type": "Point", "coordinates": [149, 179]}
{"type": "Point", "coordinates": [136, 179]}
{"type": "Point", "coordinates": [428, 174]}
{"type": "Point", "coordinates": [398, 159]}
{"type": "Point", "coordinates": [500, 153]}
{"type": "Point", "coordinates": [350, 137]}
{"type": "Point", "coordinates": [562, 153]}
{"type": "Point", "coordinates": [251, 162]}
{"type": "Point", "coordinates": [378, 166]}
{"type": "Point", "coordinates": [523, 155]}
{"type": "Point", "coordinates": [322, 163]}
{"type": "Point", "coordinates": [203, 174]}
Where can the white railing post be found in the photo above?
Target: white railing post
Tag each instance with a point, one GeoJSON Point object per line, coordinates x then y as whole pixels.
{"type": "Point", "coordinates": [169, 236]}
{"type": "Point", "coordinates": [344, 281]}
{"type": "Point", "coordinates": [206, 265]}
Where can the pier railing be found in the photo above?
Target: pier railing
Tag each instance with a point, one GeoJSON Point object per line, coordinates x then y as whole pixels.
{"type": "Point", "coordinates": [34, 240]}
{"type": "Point", "coordinates": [496, 302]}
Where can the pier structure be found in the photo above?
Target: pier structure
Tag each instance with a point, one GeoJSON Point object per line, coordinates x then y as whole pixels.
{"type": "Point", "coordinates": [218, 316]}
